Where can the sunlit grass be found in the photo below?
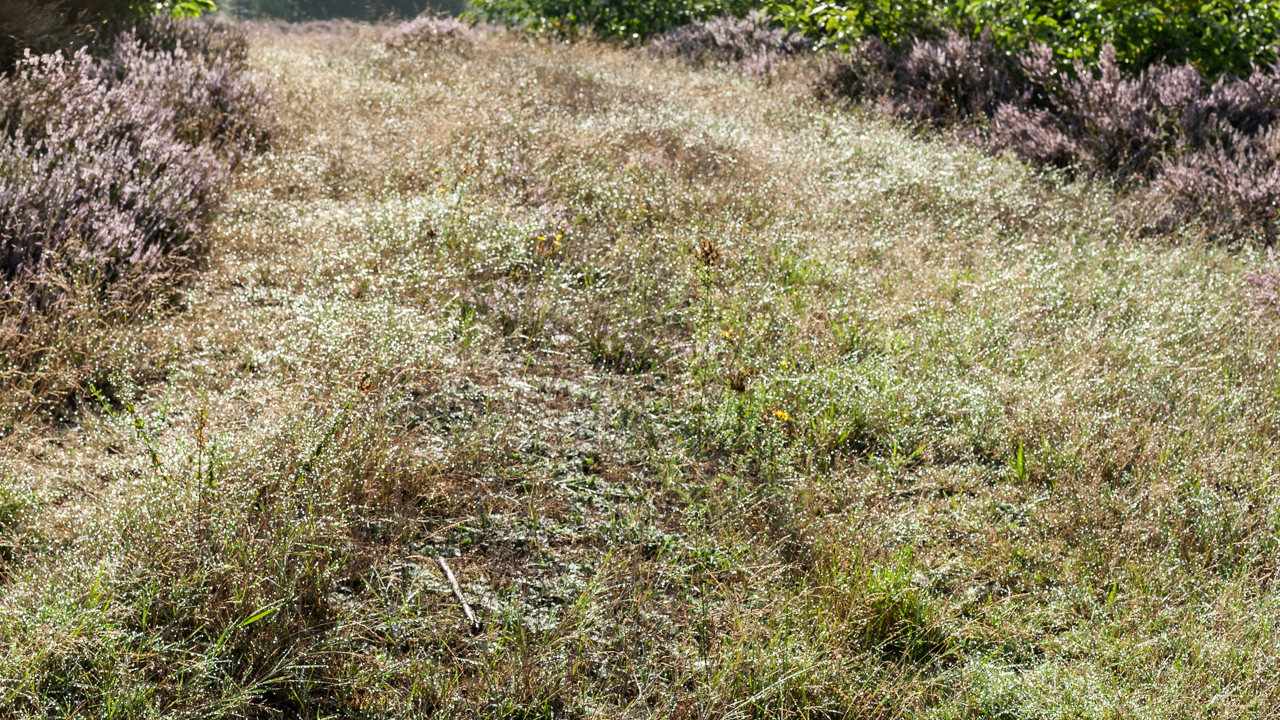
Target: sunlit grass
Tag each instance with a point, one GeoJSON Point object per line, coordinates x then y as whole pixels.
{"type": "Point", "coordinates": [718, 402]}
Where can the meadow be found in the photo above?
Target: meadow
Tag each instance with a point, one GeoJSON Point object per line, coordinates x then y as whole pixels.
{"type": "Point", "coordinates": [719, 400]}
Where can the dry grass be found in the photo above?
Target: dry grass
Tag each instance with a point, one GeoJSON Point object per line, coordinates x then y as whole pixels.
{"type": "Point", "coordinates": [722, 404]}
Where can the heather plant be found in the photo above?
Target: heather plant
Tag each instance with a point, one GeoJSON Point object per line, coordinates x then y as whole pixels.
{"type": "Point", "coordinates": [47, 26]}
{"type": "Point", "coordinates": [124, 154]}
{"type": "Point", "coordinates": [749, 44]}
{"type": "Point", "coordinates": [1117, 124]}
{"type": "Point", "coordinates": [111, 169]}
{"type": "Point", "coordinates": [84, 159]}
{"type": "Point", "coordinates": [215, 102]}
{"type": "Point", "coordinates": [211, 37]}
{"type": "Point", "coordinates": [946, 79]}
{"type": "Point", "coordinates": [1197, 149]}
{"type": "Point", "coordinates": [427, 31]}
{"type": "Point", "coordinates": [1264, 284]}
{"type": "Point", "coordinates": [1204, 150]}
{"type": "Point", "coordinates": [36, 25]}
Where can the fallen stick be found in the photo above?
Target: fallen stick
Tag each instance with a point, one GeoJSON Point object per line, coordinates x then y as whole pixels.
{"type": "Point", "coordinates": [457, 592]}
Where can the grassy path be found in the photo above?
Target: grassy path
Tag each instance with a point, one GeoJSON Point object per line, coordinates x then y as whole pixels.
{"type": "Point", "coordinates": [719, 402]}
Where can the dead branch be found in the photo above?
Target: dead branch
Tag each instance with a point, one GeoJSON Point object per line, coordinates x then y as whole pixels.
{"type": "Point", "coordinates": [457, 592]}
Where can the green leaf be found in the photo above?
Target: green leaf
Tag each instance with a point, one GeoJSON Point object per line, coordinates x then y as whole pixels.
{"type": "Point", "coordinates": [260, 614]}
{"type": "Point", "coordinates": [192, 8]}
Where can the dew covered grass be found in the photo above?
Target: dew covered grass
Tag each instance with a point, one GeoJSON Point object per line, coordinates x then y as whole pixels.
{"type": "Point", "coordinates": [718, 401]}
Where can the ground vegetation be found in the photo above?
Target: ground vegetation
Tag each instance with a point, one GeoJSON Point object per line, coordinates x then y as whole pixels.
{"type": "Point", "coordinates": [719, 400]}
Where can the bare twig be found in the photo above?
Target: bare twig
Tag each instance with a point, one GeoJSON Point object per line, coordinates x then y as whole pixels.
{"type": "Point", "coordinates": [457, 592]}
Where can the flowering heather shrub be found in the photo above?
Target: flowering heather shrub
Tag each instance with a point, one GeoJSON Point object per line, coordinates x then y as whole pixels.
{"type": "Point", "coordinates": [1206, 151]}
{"type": "Point", "coordinates": [956, 76]}
{"type": "Point", "coordinates": [30, 24]}
{"type": "Point", "coordinates": [46, 26]}
{"type": "Point", "coordinates": [1199, 150]}
{"type": "Point", "coordinates": [427, 31]}
{"type": "Point", "coordinates": [861, 74]}
{"type": "Point", "coordinates": [1109, 123]}
{"type": "Point", "coordinates": [86, 160]}
{"type": "Point", "coordinates": [121, 158]}
{"type": "Point", "coordinates": [110, 169]}
{"type": "Point", "coordinates": [942, 80]}
{"type": "Point", "coordinates": [213, 101]}
{"type": "Point", "coordinates": [748, 44]}
{"type": "Point", "coordinates": [209, 36]}
{"type": "Point", "coordinates": [1264, 286]}
{"type": "Point", "coordinates": [1234, 184]}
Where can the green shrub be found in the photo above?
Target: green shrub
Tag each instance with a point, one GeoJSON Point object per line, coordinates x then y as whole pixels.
{"type": "Point", "coordinates": [1217, 37]}
{"type": "Point", "coordinates": [839, 26]}
{"type": "Point", "coordinates": [626, 19]}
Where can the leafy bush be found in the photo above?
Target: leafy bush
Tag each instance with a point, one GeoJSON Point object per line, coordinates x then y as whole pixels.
{"type": "Point", "coordinates": [1217, 37]}
{"type": "Point", "coordinates": [626, 19]}
{"type": "Point", "coordinates": [841, 26]}
{"type": "Point", "coordinates": [749, 44]}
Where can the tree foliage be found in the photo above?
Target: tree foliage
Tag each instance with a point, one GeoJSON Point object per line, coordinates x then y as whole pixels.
{"type": "Point", "coordinates": [1216, 36]}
